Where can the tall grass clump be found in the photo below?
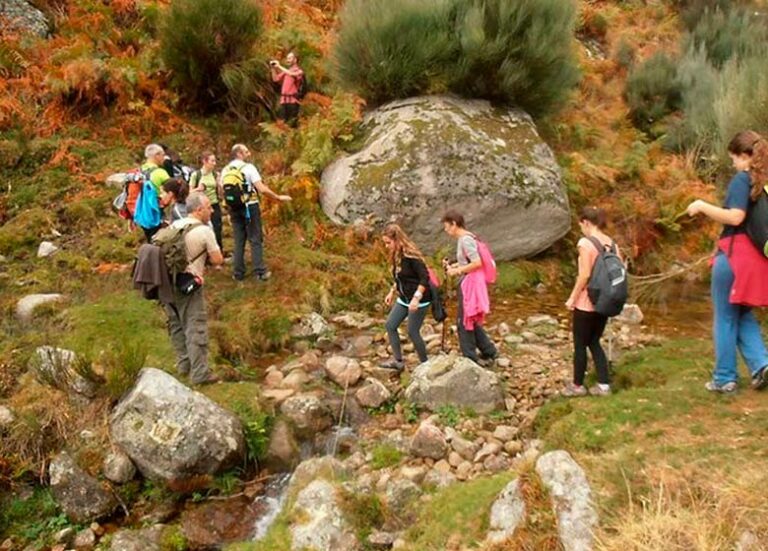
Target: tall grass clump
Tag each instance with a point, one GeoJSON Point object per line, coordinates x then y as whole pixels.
{"type": "Point", "coordinates": [199, 37]}
{"type": "Point", "coordinates": [390, 49]}
{"type": "Point", "coordinates": [517, 53]}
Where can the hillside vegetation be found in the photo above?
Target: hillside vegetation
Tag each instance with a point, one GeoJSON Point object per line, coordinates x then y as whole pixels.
{"type": "Point", "coordinates": [636, 97]}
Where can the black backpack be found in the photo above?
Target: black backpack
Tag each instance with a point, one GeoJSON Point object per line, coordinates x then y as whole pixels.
{"type": "Point", "coordinates": [608, 287]}
{"type": "Point", "coordinates": [756, 223]}
{"type": "Point", "coordinates": [301, 89]}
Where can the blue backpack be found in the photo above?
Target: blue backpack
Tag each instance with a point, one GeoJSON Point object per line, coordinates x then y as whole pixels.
{"type": "Point", "coordinates": [148, 214]}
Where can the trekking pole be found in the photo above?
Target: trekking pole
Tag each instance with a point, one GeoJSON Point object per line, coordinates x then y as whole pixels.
{"type": "Point", "coordinates": [444, 335]}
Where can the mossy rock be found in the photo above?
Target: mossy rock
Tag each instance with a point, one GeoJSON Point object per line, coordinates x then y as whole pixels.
{"type": "Point", "coordinates": [424, 155]}
{"type": "Point", "coordinates": [23, 231]}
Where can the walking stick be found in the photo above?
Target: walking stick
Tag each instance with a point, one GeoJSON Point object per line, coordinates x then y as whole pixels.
{"type": "Point", "coordinates": [444, 335]}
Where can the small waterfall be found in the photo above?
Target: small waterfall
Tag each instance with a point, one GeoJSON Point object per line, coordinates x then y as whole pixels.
{"type": "Point", "coordinates": [272, 501]}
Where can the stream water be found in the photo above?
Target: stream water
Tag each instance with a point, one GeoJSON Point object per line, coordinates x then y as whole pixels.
{"type": "Point", "coordinates": [683, 310]}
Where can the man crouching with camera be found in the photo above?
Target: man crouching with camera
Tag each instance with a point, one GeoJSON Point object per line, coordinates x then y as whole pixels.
{"type": "Point", "coordinates": [187, 319]}
{"type": "Point", "coordinates": [291, 81]}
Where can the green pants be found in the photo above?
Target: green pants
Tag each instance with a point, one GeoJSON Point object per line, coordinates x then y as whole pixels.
{"type": "Point", "coordinates": [188, 328]}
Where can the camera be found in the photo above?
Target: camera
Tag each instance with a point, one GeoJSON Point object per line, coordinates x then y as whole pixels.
{"type": "Point", "coordinates": [273, 62]}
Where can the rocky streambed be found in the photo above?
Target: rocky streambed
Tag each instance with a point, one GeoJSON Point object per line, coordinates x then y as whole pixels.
{"type": "Point", "coordinates": [342, 426]}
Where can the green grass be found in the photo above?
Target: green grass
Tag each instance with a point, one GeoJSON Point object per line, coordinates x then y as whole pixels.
{"type": "Point", "coordinates": [33, 519]}
{"type": "Point", "coordinates": [514, 277]}
{"type": "Point", "coordinates": [461, 509]}
{"type": "Point", "coordinates": [385, 455]}
{"type": "Point", "coordinates": [100, 325]}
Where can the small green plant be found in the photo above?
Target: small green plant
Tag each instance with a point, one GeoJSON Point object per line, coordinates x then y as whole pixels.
{"type": "Point", "coordinates": [385, 455]}
{"type": "Point", "coordinates": [411, 412]}
{"type": "Point", "coordinates": [227, 482]}
{"type": "Point", "coordinates": [449, 415]}
{"type": "Point", "coordinates": [122, 364]}
{"type": "Point", "coordinates": [173, 540]}
{"type": "Point", "coordinates": [257, 425]}
{"type": "Point", "coordinates": [365, 513]}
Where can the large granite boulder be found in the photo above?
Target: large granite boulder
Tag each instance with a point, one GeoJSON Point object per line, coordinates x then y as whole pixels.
{"type": "Point", "coordinates": [171, 432]}
{"type": "Point", "coordinates": [457, 381]}
{"type": "Point", "coordinates": [21, 16]}
{"type": "Point", "coordinates": [426, 154]}
{"type": "Point", "coordinates": [79, 495]}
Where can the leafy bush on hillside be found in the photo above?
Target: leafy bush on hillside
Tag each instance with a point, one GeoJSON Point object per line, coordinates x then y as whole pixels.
{"type": "Point", "coordinates": [512, 52]}
{"type": "Point", "coordinates": [727, 34]}
{"type": "Point", "coordinates": [389, 49]}
{"type": "Point", "coordinates": [652, 90]}
{"type": "Point", "coordinates": [515, 52]}
{"type": "Point", "coordinates": [199, 37]}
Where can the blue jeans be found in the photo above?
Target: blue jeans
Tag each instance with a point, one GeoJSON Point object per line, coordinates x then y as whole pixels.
{"type": "Point", "coordinates": [734, 327]}
{"type": "Point", "coordinates": [247, 226]}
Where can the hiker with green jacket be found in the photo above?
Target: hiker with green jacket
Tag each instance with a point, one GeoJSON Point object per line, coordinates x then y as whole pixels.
{"type": "Point", "coordinates": [206, 180]}
{"type": "Point", "coordinates": [152, 169]}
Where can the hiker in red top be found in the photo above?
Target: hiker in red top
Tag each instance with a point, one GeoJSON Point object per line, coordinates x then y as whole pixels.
{"type": "Point", "coordinates": [290, 80]}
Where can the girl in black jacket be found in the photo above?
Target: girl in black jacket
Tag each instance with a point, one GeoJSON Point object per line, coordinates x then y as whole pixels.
{"type": "Point", "coordinates": [409, 296]}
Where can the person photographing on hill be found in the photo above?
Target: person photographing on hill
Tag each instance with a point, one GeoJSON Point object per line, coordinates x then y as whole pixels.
{"type": "Point", "coordinates": [588, 325]}
{"type": "Point", "coordinates": [409, 296]}
{"type": "Point", "coordinates": [472, 298]}
{"type": "Point", "coordinates": [739, 269]}
{"type": "Point", "coordinates": [291, 81]}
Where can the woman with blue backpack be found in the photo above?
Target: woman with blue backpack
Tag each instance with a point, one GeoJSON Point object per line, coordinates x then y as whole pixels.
{"type": "Point", "coordinates": [739, 268]}
{"type": "Point", "coordinates": [588, 325]}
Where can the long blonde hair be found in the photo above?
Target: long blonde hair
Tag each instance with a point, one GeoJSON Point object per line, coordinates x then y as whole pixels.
{"type": "Point", "coordinates": [404, 247]}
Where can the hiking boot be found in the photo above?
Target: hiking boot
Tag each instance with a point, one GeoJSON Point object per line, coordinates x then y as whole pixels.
{"type": "Point", "coordinates": [487, 363]}
{"type": "Point", "coordinates": [398, 365]}
{"type": "Point", "coordinates": [598, 390]}
{"type": "Point", "coordinates": [726, 388]}
{"type": "Point", "coordinates": [265, 276]}
{"type": "Point", "coordinates": [573, 391]}
{"type": "Point", "coordinates": [209, 380]}
{"type": "Point", "coordinates": [760, 379]}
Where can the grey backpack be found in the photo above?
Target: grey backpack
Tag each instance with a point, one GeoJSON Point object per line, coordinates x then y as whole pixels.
{"type": "Point", "coordinates": [608, 287]}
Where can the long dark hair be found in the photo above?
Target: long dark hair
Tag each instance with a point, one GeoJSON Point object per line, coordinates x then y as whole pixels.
{"type": "Point", "coordinates": [754, 145]}
{"type": "Point", "coordinates": [179, 188]}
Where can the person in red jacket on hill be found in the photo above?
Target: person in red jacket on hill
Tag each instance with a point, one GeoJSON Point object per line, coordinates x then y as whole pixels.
{"type": "Point", "coordinates": [290, 79]}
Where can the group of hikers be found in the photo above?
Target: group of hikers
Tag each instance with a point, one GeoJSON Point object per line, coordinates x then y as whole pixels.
{"type": "Point", "coordinates": [738, 272]}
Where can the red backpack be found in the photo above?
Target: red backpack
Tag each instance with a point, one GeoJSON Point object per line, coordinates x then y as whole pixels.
{"type": "Point", "coordinates": [132, 186]}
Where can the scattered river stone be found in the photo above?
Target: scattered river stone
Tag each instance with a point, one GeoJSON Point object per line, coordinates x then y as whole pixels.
{"type": "Point", "coordinates": [79, 495]}
{"type": "Point", "coordinates": [320, 524]}
{"type": "Point", "coordinates": [572, 499]}
{"type": "Point", "coordinates": [46, 249]}
{"type": "Point", "coordinates": [26, 307]}
{"type": "Point", "coordinates": [507, 513]}
{"type": "Point", "coordinates": [119, 468]}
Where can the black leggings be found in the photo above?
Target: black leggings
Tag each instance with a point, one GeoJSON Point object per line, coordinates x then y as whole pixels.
{"type": "Point", "coordinates": [588, 327]}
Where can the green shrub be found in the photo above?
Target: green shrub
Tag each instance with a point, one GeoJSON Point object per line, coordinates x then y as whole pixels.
{"type": "Point", "coordinates": [518, 53]}
{"type": "Point", "coordinates": [122, 364]}
{"type": "Point", "coordinates": [625, 54]}
{"type": "Point", "coordinates": [692, 11]}
{"type": "Point", "coordinates": [727, 34]}
{"type": "Point", "coordinates": [199, 37]}
{"type": "Point", "coordinates": [653, 91]}
{"type": "Point", "coordinates": [389, 49]}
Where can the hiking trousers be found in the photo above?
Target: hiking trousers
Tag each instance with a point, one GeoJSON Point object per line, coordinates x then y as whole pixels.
{"type": "Point", "coordinates": [415, 320]}
{"type": "Point", "coordinates": [247, 227]}
{"type": "Point", "coordinates": [477, 338]}
{"type": "Point", "coordinates": [588, 328]}
{"type": "Point", "coordinates": [217, 225]}
{"type": "Point", "coordinates": [188, 328]}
